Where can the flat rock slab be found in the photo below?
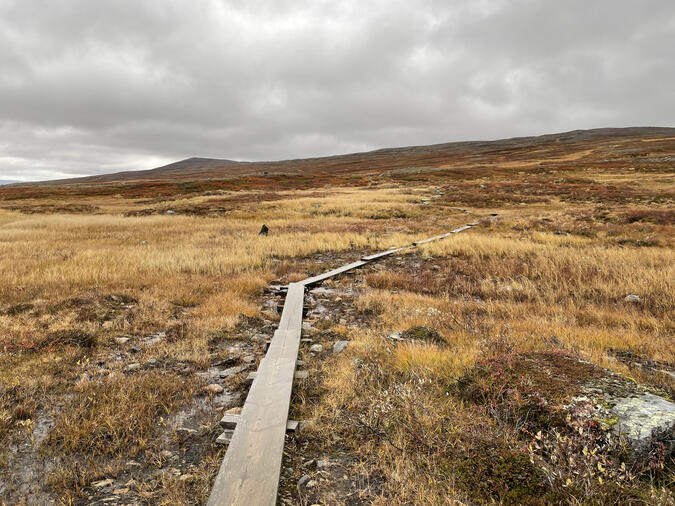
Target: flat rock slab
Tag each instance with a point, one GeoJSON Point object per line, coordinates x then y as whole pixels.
{"type": "Point", "coordinates": [641, 416]}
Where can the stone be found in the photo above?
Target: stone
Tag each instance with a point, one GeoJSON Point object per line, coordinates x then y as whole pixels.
{"type": "Point", "coordinates": [316, 348]}
{"type": "Point", "coordinates": [305, 479]}
{"type": "Point", "coordinates": [322, 464]}
{"type": "Point", "coordinates": [133, 367]}
{"type": "Point", "coordinates": [152, 361]}
{"type": "Point", "coordinates": [340, 346]}
{"type": "Point", "coordinates": [107, 325]}
{"type": "Point", "coordinates": [186, 431]}
{"type": "Point", "coordinates": [632, 298]}
{"type": "Point", "coordinates": [214, 388]}
{"type": "Point", "coordinates": [641, 416]}
{"type": "Point", "coordinates": [121, 340]}
{"type": "Point", "coordinates": [396, 336]}
{"type": "Point", "coordinates": [232, 371]}
{"type": "Point", "coordinates": [311, 484]}
{"type": "Point", "coordinates": [134, 349]}
{"type": "Point", "coordinates": [321, 309]}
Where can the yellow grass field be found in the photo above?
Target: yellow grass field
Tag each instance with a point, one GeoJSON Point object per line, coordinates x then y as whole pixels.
{"type": "Point", "coordinates": [87, 394]}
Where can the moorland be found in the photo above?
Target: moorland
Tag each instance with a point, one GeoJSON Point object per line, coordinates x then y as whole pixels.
{"type": "Point", "coordinates": [481, 368]}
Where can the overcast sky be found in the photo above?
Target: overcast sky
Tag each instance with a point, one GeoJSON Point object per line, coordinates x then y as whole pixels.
{"type": "Point", "coordinates": [89, 87]}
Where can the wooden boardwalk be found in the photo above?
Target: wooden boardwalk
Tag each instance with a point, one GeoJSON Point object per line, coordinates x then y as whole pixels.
{"type": "Point", "coordinates": [249, 474]}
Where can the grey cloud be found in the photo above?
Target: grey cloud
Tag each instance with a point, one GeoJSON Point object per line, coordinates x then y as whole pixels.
{"type": "Point", "coordinates": [93, 87]}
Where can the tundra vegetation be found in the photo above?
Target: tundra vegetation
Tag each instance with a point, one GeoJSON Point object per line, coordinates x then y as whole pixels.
{"type": "Point", "coordinates": [116, 300]}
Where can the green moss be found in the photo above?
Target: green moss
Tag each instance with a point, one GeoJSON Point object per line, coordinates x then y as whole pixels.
{"type": "Point", "coordinates": [608, 423]}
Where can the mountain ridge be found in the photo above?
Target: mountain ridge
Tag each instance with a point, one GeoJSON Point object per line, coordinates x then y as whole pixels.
{"type": "Point", "coordinates": [201, 168]}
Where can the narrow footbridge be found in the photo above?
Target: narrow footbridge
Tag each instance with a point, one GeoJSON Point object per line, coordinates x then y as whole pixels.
{"type": "Point", "coordinates": [249, 474]}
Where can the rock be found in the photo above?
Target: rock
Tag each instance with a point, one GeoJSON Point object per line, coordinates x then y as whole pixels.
{"type": "Point", "coordinates": [213, 388]}
{"type": "Point", "coordinates": [121, 340]}
{"type": "Point", "coordinates": [641, 416]}
{"type": "Point", "coordinates": [152, 362]}
{"type": "Point", "coordinates": [185, 431]}
{"type": "Point", "coordinates": [166, 454]}
{"type": "Point", "coordinates": [396, 336]}
{"type": "Point", "coordinates": [232, 371]}
{"type": "Point", "coordinates": [632, 298]}
{"type": "Point", "coordinates": [322, 464]}
{"type": "Point", "coordinates": [264, 231]}
{"type": "Point", "coordinates": [171, 211]}
{"type": "Point", "coordinates": [321, 291]}
{"type": "Point", "coordinates": [134, 349]}
{"type": "Point", "coordinates": [156, 337]}
{"type": "Point", "coordinates": [340, 346]}
{"type": "Point", "coordinates": [311, 484]}
{"type": "Point", "coordinates": [108, 325]}
{"type": "Point", "coordinates": [316, 348]}
{"type": "Point", "coordinates": [305, 479]}
{"type": "Point", "coordinates": [133, 367]}
{"type": "Point", "coordinates": [102, 483]}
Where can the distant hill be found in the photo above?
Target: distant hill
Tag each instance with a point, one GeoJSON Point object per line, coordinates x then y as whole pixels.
{"type": "Point", "coordinates": [596, 145]}
{"type": "Point", "coordinates": [6, 181]}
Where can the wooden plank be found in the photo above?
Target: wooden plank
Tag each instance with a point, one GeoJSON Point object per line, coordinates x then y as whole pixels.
{"type": "Point", "coordinates": [417, 243]}
{"type": "Point", "coordinates": [250, 470]}
{"type": "Point", "coordinates": [229, 422]}
{"type": "Point", "coordinates": [291, 316]}
{"type": "Point", "coordinates": [334, 272]}
{"type": "Point", "coordinates": [370, 258]}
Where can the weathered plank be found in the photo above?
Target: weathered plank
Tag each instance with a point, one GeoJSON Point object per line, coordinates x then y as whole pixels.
{"type": "Point", "coordinates": [334, 272]}
{"type": "Point", "coordinates": [375, 256]}
{"type": "Point", "coordinates": [438, 237]}
{"type": "Point", "coordinates": [291, 316]}
{"type": "Point", "coordinates": [250, 470]}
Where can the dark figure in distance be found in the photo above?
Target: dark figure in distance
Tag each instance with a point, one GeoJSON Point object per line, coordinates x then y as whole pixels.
{"type": "Point", "coordinates": [264, 230]}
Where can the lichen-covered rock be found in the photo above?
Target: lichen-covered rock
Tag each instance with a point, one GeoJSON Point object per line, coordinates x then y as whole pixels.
{"type": "Point", "coordinates": [641, 416]}
{"type": "Point", "coordinates": [629, 409]}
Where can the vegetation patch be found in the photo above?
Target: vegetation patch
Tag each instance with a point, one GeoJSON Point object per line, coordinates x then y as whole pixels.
{"type": "Point", "coordinates": [118, 414]}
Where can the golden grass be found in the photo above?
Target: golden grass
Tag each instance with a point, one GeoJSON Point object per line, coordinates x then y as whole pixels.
{"type": "Point", "coordinates": [508, 285]}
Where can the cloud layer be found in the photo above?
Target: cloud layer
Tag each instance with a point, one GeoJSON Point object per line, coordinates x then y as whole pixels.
{"type": "Point", "coordinates": [94, 87]}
